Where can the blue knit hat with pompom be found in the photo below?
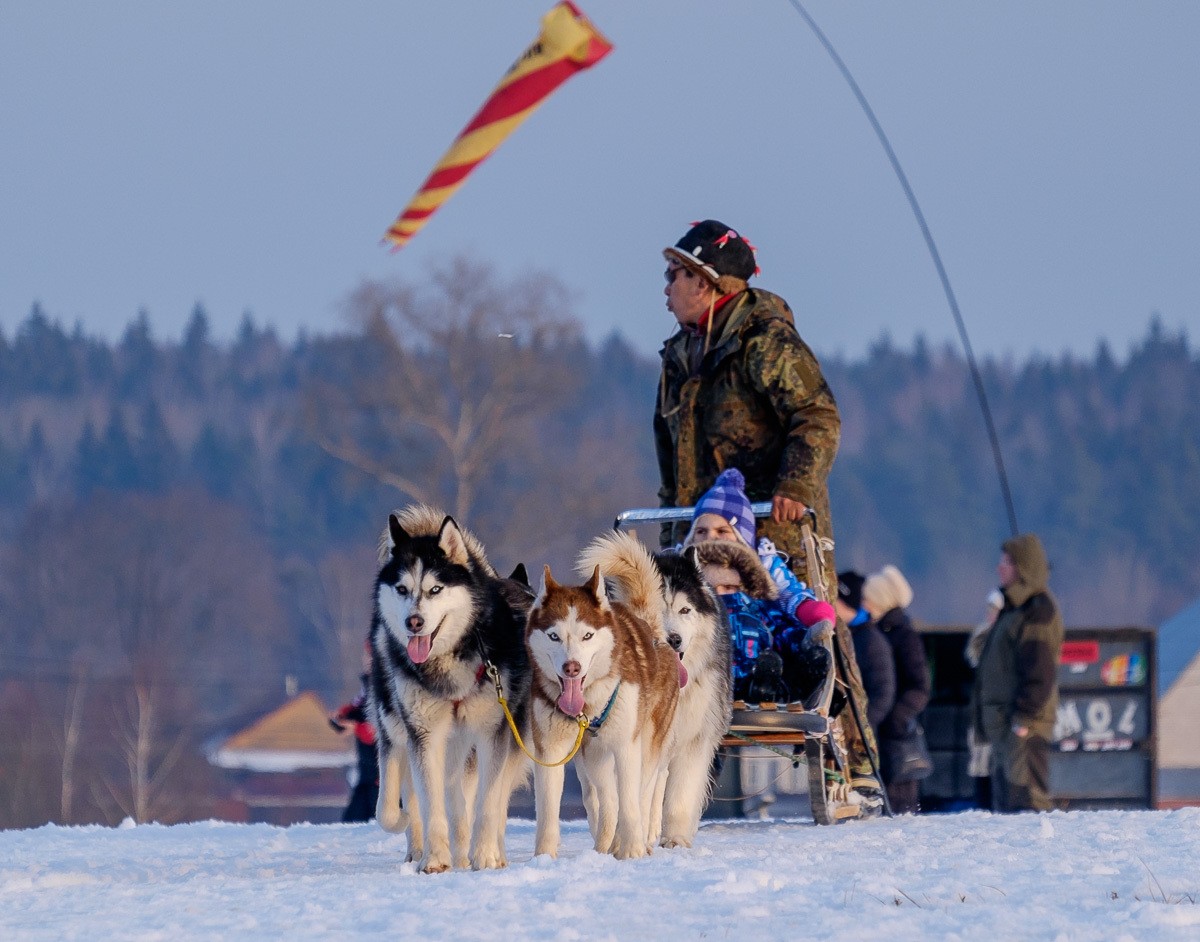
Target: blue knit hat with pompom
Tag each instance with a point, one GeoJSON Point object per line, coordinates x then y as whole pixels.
{"type": "Point", "coordinates": [727, 498]}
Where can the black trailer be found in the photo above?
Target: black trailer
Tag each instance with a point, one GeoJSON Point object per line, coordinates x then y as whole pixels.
{"type": "Point", "coordinates": [1104, 748]}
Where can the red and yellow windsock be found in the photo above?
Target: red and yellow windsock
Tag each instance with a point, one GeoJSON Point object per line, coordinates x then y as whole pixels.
{"type": "Point", "coordinates": [568, 43]}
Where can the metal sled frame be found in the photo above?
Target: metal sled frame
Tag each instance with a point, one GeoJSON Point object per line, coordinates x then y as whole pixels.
{"type": "Point", "coordinates": [773, 724]}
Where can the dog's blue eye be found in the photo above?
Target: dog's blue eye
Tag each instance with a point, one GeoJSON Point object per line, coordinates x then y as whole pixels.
{"type": "Point", "coordinates": [552, 636]}
{"type": "Point", "coordinates": [435, 590]}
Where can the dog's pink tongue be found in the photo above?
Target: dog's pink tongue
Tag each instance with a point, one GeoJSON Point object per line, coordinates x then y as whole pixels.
{"type": "Point", "coordinates": [418, 648]}
{"type": "Point", "coordinates": [571, 701]}
{"type": "Point", "coordinates": [682, 673]}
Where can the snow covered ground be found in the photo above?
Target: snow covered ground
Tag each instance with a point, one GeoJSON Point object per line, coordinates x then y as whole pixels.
{"type": "Point", "coordinates": [1061, 876]}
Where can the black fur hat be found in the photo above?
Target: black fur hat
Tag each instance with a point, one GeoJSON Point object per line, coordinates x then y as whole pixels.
{"type": "Point", "coordinates": [715, 249]}
{"type": "Point", "coordinates": [850, 586]}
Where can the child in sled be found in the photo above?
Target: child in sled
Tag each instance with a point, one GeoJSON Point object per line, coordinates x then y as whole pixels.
{"type": "Point", "coordinates": [776, 622]}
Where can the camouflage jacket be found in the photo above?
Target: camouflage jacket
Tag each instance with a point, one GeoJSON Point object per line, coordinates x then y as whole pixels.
{"type": "Point", "coordinates": [756, 401]}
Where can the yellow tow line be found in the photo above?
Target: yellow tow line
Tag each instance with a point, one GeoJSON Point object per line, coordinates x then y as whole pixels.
{"type": "Point", "coordinates": [581, 719]}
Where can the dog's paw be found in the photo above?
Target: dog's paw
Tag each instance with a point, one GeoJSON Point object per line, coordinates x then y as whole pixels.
{"type": "Point", "coordinates": [676, 840]}
{"type": "Point", "coordinates": [489, 859]}
{"type": "Point", "coordinates": [629, 850]}
{"type": "Point", "coordinates": [604, 841]}
{"type": "Point", "coordinates": [433, 864]}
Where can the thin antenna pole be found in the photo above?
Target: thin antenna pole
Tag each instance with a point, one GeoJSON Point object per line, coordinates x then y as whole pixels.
{"type": "Point", "coordinates": [933, 251]}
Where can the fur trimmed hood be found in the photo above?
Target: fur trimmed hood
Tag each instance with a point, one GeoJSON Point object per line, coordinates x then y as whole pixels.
{"type": "Point", "coordinates": [742, 560]}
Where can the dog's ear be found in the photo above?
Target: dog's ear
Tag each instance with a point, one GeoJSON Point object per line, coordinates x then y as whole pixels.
{"type": "Point", "coordinates": [598, 590]}
{"type": "Point", "coordinates": [693, 554]}
{"type": "Point", "coordinates": [520, 575]}
{"type": "Point", "coordinates": [397, 532]}
{"type": "Point", "coordinates": [452, 542]}
{"type": "Point", "coordinates": [548, 583]}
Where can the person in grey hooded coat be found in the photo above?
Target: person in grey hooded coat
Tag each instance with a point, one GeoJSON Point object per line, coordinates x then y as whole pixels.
{"type": "Point", "coordinates": [1016, 685]}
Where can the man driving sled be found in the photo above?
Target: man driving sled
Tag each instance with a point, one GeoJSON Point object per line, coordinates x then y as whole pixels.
{"type": "Point", "coordinates": [739, 388]}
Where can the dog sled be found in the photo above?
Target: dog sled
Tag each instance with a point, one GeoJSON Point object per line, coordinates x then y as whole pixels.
{"type": "Point", "coordinates": [806, 728]}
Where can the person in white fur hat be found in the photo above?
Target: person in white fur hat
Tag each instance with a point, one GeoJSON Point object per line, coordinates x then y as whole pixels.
{"type": "Point", "coordinates": [885, 595]}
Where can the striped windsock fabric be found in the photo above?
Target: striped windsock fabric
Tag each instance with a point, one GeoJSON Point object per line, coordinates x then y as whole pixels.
{"type": "Point", "coordinates": [568, 43]}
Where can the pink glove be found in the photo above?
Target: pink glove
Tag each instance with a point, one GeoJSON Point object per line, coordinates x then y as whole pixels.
{"type": "Point", "coordinates": [811, 611]}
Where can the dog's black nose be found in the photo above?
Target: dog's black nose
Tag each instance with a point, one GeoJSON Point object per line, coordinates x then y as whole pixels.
{"type": "Point", "coordinates": [416, 622]}
{"type": "Point", "coordinates": [674, 640]}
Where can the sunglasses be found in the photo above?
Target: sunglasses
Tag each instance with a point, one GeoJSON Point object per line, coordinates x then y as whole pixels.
{"type": "Point", "coordinates": [671, 273]}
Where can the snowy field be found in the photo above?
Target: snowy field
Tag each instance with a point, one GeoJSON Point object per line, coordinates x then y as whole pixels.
{"type": "Point", "coordinates": [1062, 876]}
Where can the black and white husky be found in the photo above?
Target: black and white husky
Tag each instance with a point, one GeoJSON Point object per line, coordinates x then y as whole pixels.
{"type": "Point", "coordinates": [441, 614]}
{"type": "Point", "coordinates": [694, 624]}
{"type": "Point", "coordinates": [698, 629]}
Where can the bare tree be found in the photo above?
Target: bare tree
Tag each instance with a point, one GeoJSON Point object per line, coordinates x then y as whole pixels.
{"type": "Point", "coordinates": [148, 759]}
{"type": "Point", "coordinates": [461, 369]}
{"type": "Point", "coordinates": [72, 726]}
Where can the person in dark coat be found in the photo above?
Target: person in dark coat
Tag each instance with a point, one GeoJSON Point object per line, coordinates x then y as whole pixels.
{"type": "Point", "coordinates": [886, 594]}
{"type": "Point", "coordinates": [871, 650]}
{"type": "Point", "coordinates": [1016, 684]}
{"type": "Point", "coordinates": [364, 795]}
{"type": "Point", "coordinates": [979, 766]}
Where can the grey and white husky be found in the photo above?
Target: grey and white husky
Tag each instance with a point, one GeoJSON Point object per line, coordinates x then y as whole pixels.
{"type": "Point", "coordinates": [695, 625]}
{"type": "Point", "coordinates": [441, 614]}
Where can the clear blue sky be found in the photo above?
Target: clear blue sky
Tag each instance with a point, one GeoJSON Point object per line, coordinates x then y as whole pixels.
{"type": "Point", "coordinates": [249, 155]}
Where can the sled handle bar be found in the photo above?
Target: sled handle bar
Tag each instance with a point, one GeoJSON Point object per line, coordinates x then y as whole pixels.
{"type": "Point", "coordinates": [673, 514]}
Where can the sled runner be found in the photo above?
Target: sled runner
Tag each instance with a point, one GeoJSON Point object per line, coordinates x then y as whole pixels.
{"type": "Point", "coordinates": [803, 725]}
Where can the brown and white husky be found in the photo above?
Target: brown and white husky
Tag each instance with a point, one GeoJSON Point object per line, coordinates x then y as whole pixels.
{"type": "Point", "coordinates": [594, 657]}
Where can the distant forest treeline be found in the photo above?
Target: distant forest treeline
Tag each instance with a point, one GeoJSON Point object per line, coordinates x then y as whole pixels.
{"type": "Point", "coordinates": [185, 523]}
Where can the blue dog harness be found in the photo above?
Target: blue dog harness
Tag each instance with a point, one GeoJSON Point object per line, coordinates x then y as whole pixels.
{"type": "Point", "coordinates": [594, 725]}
